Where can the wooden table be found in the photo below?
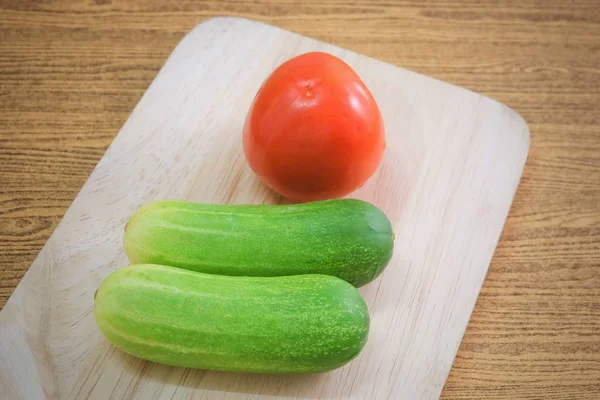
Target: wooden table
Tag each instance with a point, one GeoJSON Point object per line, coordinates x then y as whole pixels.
{"type": "Point", "coordinates": [72, 71]}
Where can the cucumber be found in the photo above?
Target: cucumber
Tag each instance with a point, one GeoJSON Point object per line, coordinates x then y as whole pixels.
{"type": "Point", "coordinates": [278, 325]}
{"type": "Point", "coordinates": [350, 239]}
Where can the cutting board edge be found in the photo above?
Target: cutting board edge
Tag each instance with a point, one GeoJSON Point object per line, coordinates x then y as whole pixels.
{"type": "Point", "coordinates": [244, 20]}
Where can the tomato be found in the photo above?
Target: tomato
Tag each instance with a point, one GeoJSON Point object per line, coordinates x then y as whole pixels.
{"type": "Point", "coordinates": [314, 131]}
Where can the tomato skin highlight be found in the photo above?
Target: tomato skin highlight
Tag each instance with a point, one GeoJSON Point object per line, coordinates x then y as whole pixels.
{"type": "Point", "coordinates": [314, 131]}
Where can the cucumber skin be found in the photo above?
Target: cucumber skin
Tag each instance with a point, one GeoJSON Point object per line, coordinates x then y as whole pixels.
{"type": "Point", "coordinates": [350, 239]}
{"type": "Point", "coordinates": [279, 325]}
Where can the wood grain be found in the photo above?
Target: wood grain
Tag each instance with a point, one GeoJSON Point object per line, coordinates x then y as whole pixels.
{"type": "Point", "coordinates": [71, 72]}
{"type": "Point", "coordinates": [446, 182]}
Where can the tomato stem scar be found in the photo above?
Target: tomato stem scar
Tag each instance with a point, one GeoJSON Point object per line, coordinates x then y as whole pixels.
{"type": "Point", "coordinates": [308, 90]}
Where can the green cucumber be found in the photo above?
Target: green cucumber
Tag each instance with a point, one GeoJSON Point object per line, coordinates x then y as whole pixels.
{"type": "Point", "coordinates": [279, 325]}
{"type": "Point", "coordinates": [350, 239]}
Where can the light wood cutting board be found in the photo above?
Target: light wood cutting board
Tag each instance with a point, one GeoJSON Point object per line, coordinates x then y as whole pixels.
{"type": "Point", "coordinates": [451, 168]}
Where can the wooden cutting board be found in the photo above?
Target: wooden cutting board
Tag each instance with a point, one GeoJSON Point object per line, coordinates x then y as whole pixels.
{"type": "Point", "coordinates": [451, 168]}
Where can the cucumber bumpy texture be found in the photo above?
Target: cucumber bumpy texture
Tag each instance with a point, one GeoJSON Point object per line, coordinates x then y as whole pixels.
{"type": "Point", "coordinates": [280, 325]}
{"type": "Point", "coordinates": [350, 239]}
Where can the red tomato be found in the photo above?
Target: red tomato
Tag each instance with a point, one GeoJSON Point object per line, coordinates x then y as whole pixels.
{"type": "Point", "coordinates": [314, 130]}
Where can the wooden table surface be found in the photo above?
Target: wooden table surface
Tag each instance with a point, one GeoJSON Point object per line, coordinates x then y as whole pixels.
{"type": "Point", "coordinates": [72, 71]}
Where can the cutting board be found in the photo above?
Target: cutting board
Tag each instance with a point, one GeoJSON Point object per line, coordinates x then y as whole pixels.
{"type": "Point", "coordinates": [451, 168]}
